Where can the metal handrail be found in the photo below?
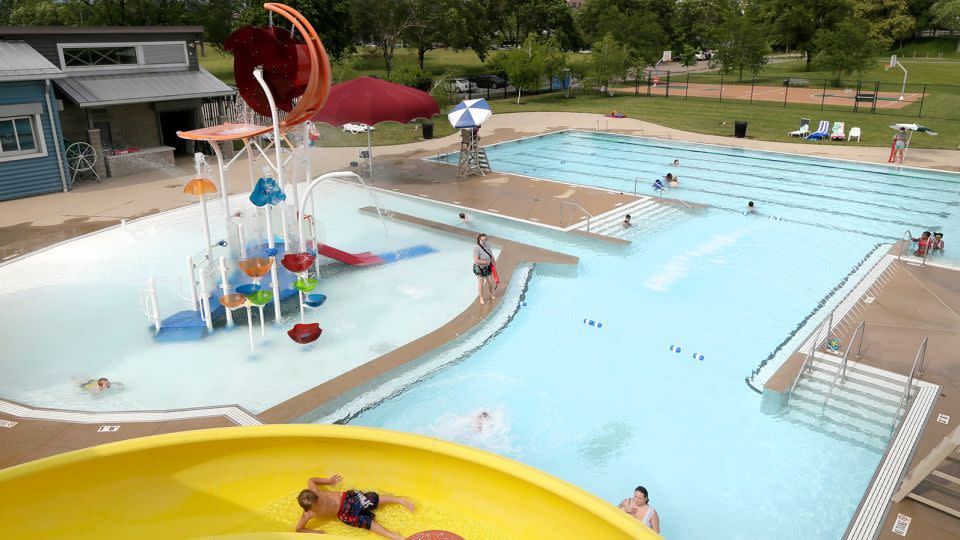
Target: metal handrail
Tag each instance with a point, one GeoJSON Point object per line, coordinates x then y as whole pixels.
{"type": "Point", "coordinates": [907, 235]}
{"type": "Point", "coordinates": [813, 348]}
{"type": "Point", "coordinates": [905, 396]}
{"type": "Point", "coordinates": [563, 204]}
{"type": "Point", "coordinates": [842, 371]}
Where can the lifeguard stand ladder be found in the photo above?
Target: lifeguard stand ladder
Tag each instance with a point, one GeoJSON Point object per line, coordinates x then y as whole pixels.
{"type": "Point", "coordinates": [473, 158]}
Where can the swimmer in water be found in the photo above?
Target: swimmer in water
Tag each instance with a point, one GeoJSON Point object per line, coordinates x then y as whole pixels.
{"type": "Point", "coordinates": [483, 415]}
{"type": "Point", "coordinates": [751, 209]}
{"type": "Point", "coordinates": [95, 386]}
{"type": "Point", "coordinates": [676, 163]}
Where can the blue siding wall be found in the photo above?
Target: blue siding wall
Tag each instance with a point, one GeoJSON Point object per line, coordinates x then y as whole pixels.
{"type": "Point", "coordinates": [36, 175]}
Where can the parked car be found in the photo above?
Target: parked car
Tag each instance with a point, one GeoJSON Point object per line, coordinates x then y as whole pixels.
{"type": "Point", "coordinates": [703, 55]}
{"type": "Point", "coordinates": [488, 81]}
{"type": "Point", "coordinates": [460, 85]}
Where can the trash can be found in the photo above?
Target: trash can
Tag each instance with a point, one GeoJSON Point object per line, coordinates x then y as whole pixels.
{"type": "Point", "coordinates": [427, 127]}
{"type": "Point", "coordinates": [740, 129]}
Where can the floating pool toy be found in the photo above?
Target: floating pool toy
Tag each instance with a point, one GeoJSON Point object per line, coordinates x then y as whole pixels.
{"type": "Point", "coordinates": [298, 262]}
{"type": "Point", "coordinates": [306, 284]}
{"type": "Point", "coordinates": [267, 191]}
{"type": "Point", "coordinates": [260, 298]}
{"type": "Point", "coordinates": [232, 301]}
{"type": "Point", "coordinates": [834, 344]}
{"type": "Point", "coordinates": [591, 322]}
{"type": "Point", "coordinates": [255, 267]}
{"type": "Point", "coordinates": [314, 300]}
{"type": "Point", "coordinates": [675, 348]}
{"type": "Point", "coordinates": [248, 288]}
{"type": "Point", "coordinates": [698, 357]}
{"type": "Point", "coordinates": [304, 333]}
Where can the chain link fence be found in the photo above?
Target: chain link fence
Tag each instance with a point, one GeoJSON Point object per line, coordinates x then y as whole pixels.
{"type": "Point", "coordinates": [916, 100]}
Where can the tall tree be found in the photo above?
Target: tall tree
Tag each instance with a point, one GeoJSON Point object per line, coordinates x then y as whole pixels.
{"type": "Point", "coordinates": [845, 49]}
{"type": "Point", "coordinates": [383, 22]}
{"type": "Point", "coordinates": [635, 23]}
{"type": "Point", "coordinates": [474, 24]}
{"type": "Point", "coordinates": [519, 18]}
{"type": "Point", "coordinates": [524, 65]}
{"type": "Point", "coordinates": [889, 20]}
{"type": "Point", "coordinates": [946, 13]}
{"type": "Point", "coordinates": [431, 25]}
{"type": "Point", "coordinates": [610, 60]}
{"type": "Point", "coordinates": [794, 23]}
{"type": "Point", "coordinates": [741, 47]}
{"type": "Point", "coordinates": [697, 23]}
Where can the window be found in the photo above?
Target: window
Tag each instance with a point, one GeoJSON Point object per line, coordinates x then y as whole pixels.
{"type": "Point", "coordinates": [18, 136]}
{"type": "Point", "coordinates": [99, 56]}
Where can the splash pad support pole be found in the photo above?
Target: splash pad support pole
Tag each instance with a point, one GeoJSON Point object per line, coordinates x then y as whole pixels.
{"type": "Point", "coordinates": [275, 283]}
{"type": "Point", "coordinates": [278, 166]}
{"type": "Point", "coordinates": [193, 283]}
{"type": "Point", "coordinates": [225, 286]}
{"type": "Point", "coordinates": [223, 178]}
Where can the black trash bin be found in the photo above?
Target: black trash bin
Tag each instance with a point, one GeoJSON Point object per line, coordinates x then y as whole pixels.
{"type": "Point", "coordinates": [740, 129]}
{"type": "Point", "coordinates": [427, 127]}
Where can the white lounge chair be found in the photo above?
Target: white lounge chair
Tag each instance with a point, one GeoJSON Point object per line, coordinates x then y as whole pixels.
{"type": "Point", "coordinates": [804, 128]}
{"type": "Point", "coordinates": [822, 132]}
{"type": "Point", "coordinates": [357, 128]}
{"type": "Point", "coordinates": [837, 134]}
{"type": "Point", "coordinates": [854, 132]}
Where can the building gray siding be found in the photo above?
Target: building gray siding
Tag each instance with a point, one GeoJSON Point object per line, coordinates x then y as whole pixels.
{"type": "Point", "coordinates": [31, 176]}
{"type": "Point", "coordinates": [46, 44]}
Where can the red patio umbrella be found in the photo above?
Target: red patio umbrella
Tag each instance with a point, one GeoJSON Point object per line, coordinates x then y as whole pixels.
{"type": "Point", "coordinates": [370, 101]}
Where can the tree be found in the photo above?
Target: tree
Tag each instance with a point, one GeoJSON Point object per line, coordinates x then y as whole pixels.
{"type": "Point", "coordinates": [635, 23]}
{"type": "Point", "coordinates": [946, 13]}
{"type": "Point", "coordinates": [475, 21]}
{"type": "Point", "coordinates": [742, 47]}
{"type": "Point", "coordinates": [697, 22]}
{"type": "Point", "coordinates": [549, 18]}
{"type": "Point", "coordinates": [524, 65]}
{"type": "Point", "coordinates": [794, 23]}
{"type": "Point", "coordinates": [383, 22]}
{"type": "Point", "coordinates": [554, 61]}
{"type": "Point", "coordinates": [688, 56]}
{"type": "Point", "coordinates": [889, 20]}
{"type": "Point", "coordinates": [430, 26]}
{"type": "Point", "coordinates": [41, 13]}
{"type": "Point", "coordinates": [610, 60]}
{"type": "Point", "coordinates": [846, 49]}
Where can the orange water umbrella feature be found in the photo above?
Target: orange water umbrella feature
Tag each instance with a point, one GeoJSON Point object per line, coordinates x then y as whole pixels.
{"type": "Point", "coordinates": [256, 267]}
{"type": "Point", "coordinates": [201, 187]}
{"type": "Point", "coordinates": [232, 301]}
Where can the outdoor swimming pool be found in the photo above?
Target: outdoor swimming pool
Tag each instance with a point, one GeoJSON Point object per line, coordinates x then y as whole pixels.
{"type": "Point", "coordinates": [872, 199]}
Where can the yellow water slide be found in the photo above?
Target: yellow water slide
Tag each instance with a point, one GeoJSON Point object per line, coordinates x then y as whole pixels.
{"type": "Point", "coordinates": [240, 484]}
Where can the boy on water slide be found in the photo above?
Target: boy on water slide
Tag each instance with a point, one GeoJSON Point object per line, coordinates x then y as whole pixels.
{"type": "Point", "coordinates": [353, 507]}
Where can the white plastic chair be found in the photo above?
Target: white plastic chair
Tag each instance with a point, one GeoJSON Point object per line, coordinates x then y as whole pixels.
{"type": "Point", "coordinates": [854, 132]}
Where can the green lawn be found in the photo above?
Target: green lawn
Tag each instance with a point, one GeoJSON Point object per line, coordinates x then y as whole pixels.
{"type": "Point", "coordinates": [218, 63]}
{"type": "Point", "coordinates": [383, 134]}
{"type": "Point", "coordinates": [930, 48]}
{"type": "Point", "coordinates": [765, 121]}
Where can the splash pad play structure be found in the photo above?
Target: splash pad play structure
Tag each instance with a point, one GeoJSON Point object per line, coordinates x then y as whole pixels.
{"type": "Point", "coordinates": [270, 251]}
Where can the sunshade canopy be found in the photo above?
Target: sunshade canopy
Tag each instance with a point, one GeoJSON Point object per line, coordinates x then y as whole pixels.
{"type": "Point", "coordinates": [469, 113]}
{"type": "Point", "coordinates": [371, 101]}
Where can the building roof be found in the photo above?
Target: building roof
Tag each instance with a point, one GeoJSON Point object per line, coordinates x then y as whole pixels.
{"type": "Point", "coordinates": [103, 90]}
{"type": "Point", "coordinates": [20, 62]}
{"type": "Point", "coordinates": [74, 30]}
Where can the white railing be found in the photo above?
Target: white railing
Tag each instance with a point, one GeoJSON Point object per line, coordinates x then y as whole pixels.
{"type": "Point", "coordinates": [149, 303]}
{"type": "Point", "coordinates": [842, 370]}
{"type": "Point", "coordinates": [817, 342]}
{"type": "Point", "coordinates": [564, 204]}
{"type": "Point", "coordinates": [917, 370]}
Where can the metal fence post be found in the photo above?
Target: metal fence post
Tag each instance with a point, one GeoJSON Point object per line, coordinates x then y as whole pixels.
{"type": "Point", "coordinates": [786, 91]}
{"type": "Point", "coordinates": [922, 95]}
{"type": "Point", "coordinates": [721, 88]}
{"type": "Point", "coordinates": [876, 94]}
{"type": "Point", "coordinates": [636, 84]}
{"type": "Point", "coordinates": [488, 91]}
{"type": "Point", "coordinates": [649, 82]}
{"type": "Point", "coordinates": [856, 96]}
{"type": "Point", "coordinates": [687, 92]}
{"type": "Point", "coordinates": [667, 89]}
{"type": "Point", "coordinates": [753, 81]}
{"type": "Point", "coordinates": [823, 96]}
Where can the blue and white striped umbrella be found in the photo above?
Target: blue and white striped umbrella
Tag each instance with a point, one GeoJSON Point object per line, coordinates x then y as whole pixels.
{"type": "Point", "coordinates": [469, 113]}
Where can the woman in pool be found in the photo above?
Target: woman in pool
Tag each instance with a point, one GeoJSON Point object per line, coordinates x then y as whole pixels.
{"type": "Point", "coordinates": [672, 180]}
{"type": "Point", "coordinates": [923, 243]}
{"type": "Point", "coordinates": [483, 262]}
{"type": "Point", "coordinates": [639, 507]}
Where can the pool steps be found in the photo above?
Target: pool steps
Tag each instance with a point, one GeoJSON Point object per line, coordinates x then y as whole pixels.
{"type": "Point", "coordinates": [861, 408]}
{"type": "Point", "coordinates": [643, 211]}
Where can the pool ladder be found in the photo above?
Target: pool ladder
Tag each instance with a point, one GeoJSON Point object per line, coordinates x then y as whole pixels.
{"type": "Point", "coordinates": [905, 241]}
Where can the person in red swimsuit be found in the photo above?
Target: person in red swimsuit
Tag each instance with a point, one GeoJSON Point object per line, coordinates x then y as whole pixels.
{"type": "Point", "coordinates": [353, 507]}
{"type": "Point", "coordinates": [923, 243]}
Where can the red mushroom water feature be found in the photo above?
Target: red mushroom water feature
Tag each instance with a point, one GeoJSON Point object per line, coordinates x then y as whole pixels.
{"type": "Point", "coordinates": [304, 333]}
